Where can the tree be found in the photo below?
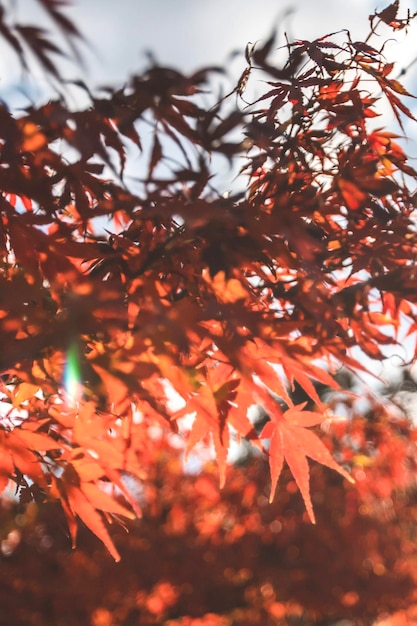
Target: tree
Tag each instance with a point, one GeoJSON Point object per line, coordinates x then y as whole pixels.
{"type": "Point", "coordinates": [119, 294]}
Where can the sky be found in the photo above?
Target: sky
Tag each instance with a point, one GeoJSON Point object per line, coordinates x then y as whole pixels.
{"type": "Point", "coordinates": [192, 33]}
{"type": "Point", "coordinates": [188, 34]}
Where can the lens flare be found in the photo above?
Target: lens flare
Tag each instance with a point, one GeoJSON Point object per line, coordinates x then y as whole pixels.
{"type": "Point", "coordinates": [72, 375]}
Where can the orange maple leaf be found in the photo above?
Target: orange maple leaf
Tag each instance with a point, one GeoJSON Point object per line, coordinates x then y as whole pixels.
{"type": "Point", "coordinates": [291, 441]}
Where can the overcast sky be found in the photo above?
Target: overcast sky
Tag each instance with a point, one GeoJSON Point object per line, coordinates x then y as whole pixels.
{"type": "Point", "coordinates": [188, 34]}
{"type": "Point", "coordinates": [191, 33]}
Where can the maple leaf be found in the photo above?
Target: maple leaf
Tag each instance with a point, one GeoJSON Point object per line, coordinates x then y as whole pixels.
{"type": "Point", "coordinates": [210, 409]}
{"type": "Point", "coordinates": [80, 505]}
{"type": "Point", "coordinates": [291, 442]}
{"type": "Point", "coordinates": [389, 14]}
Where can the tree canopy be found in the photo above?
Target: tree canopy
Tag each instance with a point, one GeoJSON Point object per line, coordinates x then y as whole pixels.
{"type": "Point", "coordinates": [135, 293]}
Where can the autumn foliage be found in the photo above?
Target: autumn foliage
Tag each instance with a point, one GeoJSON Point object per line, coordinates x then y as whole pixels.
{"type": "Point", "coordinates": [140, 297]}
{"type": "Point", "coordinates": [201, 557]}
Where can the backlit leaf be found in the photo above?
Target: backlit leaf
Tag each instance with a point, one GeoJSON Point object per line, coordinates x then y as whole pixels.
{"type": "Point", "coordinates": [82, 507]}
